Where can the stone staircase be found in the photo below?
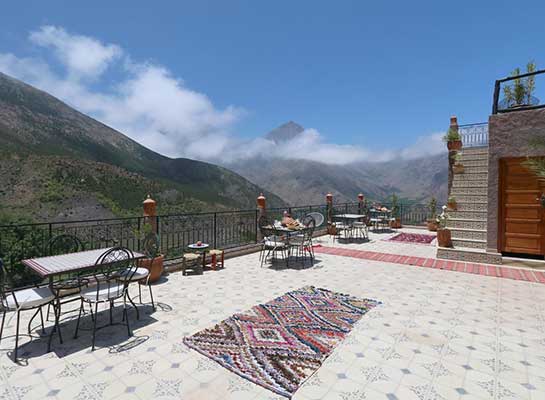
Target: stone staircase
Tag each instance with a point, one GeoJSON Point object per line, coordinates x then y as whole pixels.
{"type": "Point", "coordinates": [468, 223]}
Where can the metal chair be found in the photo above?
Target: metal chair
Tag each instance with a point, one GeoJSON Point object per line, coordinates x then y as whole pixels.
{"type": "Point", "coordinates": [142, 275]}
{"type": "Point", "coordinates": [271, 243]}
{"type": "Point", "coordinates": [113, 273]}
{"type": "Point", "coordinates": [24, 299]}
{"type": "Point", "coordinates": [318, 218]}
{"type": "Point", "coordinates": [303, 243]}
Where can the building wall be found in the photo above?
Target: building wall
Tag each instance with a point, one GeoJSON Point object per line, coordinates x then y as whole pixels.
{"type": "Point", "coordinates": [509, 135]}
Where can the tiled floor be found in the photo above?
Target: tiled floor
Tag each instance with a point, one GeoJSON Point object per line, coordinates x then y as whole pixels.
{"type": "Point", "coordinates": [437, 335]}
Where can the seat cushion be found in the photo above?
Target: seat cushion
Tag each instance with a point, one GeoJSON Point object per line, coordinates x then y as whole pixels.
{"type": "Point", "coordinates": [191, 256]}
{"type": "Point", "coordinates": [105, 293]}
{"type": "Point", "coordinates": [216, 252]}
{"type": "Point", "coordinates": [274, 244]}
{"type": "Point", "coordinates": [140, 273]}
{"type": "Point", "coordinates": [29, 298]}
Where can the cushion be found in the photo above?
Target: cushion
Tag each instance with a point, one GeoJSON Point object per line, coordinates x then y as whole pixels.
{"type": "Point", "coordinates": [105, 293]}
{"type": "Point", "coordinates": [140, 273]}
{"type": "Point", "coordinates": [216, 252]}
{"type": "Point", "coordinates": [29, 298]}
{"type": "Point", "coordinates": [191, 256]}
{"type": "Point", "coordinates": [273, 244]}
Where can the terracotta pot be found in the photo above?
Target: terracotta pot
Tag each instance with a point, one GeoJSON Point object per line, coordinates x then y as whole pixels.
{"type": "Point", "coordinates": [458, 168]}
{"type": "Point", "coordinates": [452, 205]}
{"type": "Point", "coordinates": [454, 145]}
{"type": "Point", "coordinates": [155, 266]}
{"type": "Point", "coordinates": [432, 225]}
{"type": "Point", "coordinates": [331, 229]}
{"type": "Point", "coordinates": [444, 238]}
{"type": "Point", "coordinates": [395, 224]}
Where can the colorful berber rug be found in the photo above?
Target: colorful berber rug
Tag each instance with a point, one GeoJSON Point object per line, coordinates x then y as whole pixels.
{"type": "Point", "coordinates": [418, 238]}
{"type": "Point", "coordinates": [280, 344]}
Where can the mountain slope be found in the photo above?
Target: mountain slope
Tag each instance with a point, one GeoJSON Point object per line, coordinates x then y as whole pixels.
{"type": "Point", "coordinates": [38, 131]}
{"type": "Point", "coordinates": [307, 182]}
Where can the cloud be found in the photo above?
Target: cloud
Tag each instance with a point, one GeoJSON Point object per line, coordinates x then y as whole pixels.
{"type": "Point", "coordinates": [157, 109]}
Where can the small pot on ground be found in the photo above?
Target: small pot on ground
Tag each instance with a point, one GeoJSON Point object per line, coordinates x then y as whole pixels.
{"type": "Point", "coordinates": [451, 204]}
{"type": "Point", "coordinates": [432, 225]}
{"type": "Point", "coordinates": [331, 229]}
{"type": "Point", "coordinates": [154, 265]}
{"type": "Point", "coordinates": [444, 238]}
{"type": "Point", "coordinates": [395, 223]}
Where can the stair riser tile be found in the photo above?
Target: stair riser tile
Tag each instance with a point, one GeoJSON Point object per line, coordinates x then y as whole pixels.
{"type": "Point", "coordinates": [481, 215]}
{"type": "Point", "coordinates": [469, 184]}
{"type": "Point", "coordinates": [471, 170]}
{"type": "Point", "coordinates": [475, 150]}
{"type": "Point", "coordinates": [466, 198]}
{"type": "Point", "coordinates": [471, 245]}
{"type": "Point", "coordinates": [468, 206]}
{"type": "Point", "coordinates": [476, 235]}
{"type": "Point", "coordinates": [466, 224]}
{"type": "Point", "coordinates": [460, 191]}
{"type": "Point", "coordinates": [475, 163]}
{"type": "Point", "coordinates": [460, 255]}
{"type": "Point", "coordinates": [470, 177]}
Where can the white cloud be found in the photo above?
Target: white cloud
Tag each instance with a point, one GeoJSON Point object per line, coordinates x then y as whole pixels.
{"type": "Point", "coordinates": [152, 106]}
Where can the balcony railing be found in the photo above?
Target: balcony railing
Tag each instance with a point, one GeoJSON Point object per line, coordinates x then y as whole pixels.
{"type": "Point", "coordinates": [474, 135]}
{"type": "Point", "coordinates": [525, 101]}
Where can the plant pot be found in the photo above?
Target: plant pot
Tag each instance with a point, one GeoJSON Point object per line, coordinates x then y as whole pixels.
{"type": "Point", "coordinates": [432, 225]}
{"type": "Point", "coordinates": [395, 224]}
{"type": "Point", "coordinates": [454, 145]}
{"type": "Point", "coordinates": [452, 205]}
{"type": "Point", "coordinates": [458, 169]}
{"type": "Point", "coordinates": [444, 238]}
{"type": "Point", "coordinates": [154, 266]}
{"type": "Point", "coordinates": [331, 230]}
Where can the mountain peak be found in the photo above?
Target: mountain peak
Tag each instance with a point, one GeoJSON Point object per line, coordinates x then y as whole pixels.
{"type": "Point", "coordinates": [285, 132]}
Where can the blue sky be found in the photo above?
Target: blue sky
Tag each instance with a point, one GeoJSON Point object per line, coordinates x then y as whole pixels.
{"type": "Point", "coordinates": [369, 75]}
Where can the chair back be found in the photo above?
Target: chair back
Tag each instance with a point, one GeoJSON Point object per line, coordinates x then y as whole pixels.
{"type": "Point", "coordinates": [114, 270]}
{"type": "Point", "coordinates": [3, 284]}
{"type": "Point", "coordinates": [265, 227]}
{"type": "Point", "coordinates": [64, 244]}
{"type": "Point", "coordinates": [318, 218]}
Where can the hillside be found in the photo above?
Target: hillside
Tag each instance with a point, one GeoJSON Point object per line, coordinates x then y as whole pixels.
{"type": "Point", "coordinates": [307, 182]}
{"type": "Point", "coordinates": [59, 163]}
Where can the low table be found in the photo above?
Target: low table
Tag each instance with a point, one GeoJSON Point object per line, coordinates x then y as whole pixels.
{"type": "Point", "coordinates": [201, 248]}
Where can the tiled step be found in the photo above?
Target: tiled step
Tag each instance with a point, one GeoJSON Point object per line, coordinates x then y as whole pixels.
{"type": "Point", "coordinates": [482, 215]}
{"type": "Point", "coordinates": [471, 198]}
{"type": "Point", "coordinates": [468, 190]}
{"type": "Point", "coordinates": [463, 233]}
{"type": "Point", "coordinates": [469, 163]}
{"type": "Point", "coordinates": [466, 223]}
{"type": "Point", "coordinates": [469, 176]}
{"type": "Point", "coordinates": [474, 170]}
{"type": "Point", "coordinates": [469, 255]}
{"type": "Point", "coordinates": [471, 205]}
{"type": "Point", "coordinates": [470, 243]}
{"type": "Point", "coordinates": [474, 157]}
{"type": "Point", "coordinates": [459, 183]}
{"type": "Point", "coordinates": [475, 150]}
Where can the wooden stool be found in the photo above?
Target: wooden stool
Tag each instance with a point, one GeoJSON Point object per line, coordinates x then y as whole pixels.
{"type": "Point", "coordinates": [214, 255]}
{"type": "Point", "coordinates": [191, 261]}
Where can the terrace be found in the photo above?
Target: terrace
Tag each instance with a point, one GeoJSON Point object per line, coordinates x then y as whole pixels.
{"type": "Point", "coordinates": [443, 330]}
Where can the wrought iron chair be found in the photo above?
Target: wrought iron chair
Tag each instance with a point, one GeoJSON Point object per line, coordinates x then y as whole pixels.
{"type": "Point", "coordinates": [318, 218]}
{"type": "Point", "coordinates": [24, 299]}
{"type": "Point", "coordinates": [68, 288]}
{"type": "Point", "coordinates": [303, 243]}
{"type": "Point", "coordinates": [113, 273]}
{"type": "Point", "coordinates": [271, 243]}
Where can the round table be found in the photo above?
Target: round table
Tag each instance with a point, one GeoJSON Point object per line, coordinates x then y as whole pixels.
{"type": "Point", "coordinates": [201, 248]}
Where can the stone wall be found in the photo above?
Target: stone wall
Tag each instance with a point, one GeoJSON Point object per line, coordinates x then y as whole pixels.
{"type": "Point", "coordinates": [509, 134]}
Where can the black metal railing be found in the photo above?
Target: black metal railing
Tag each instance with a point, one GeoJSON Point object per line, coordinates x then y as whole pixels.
{"type": "Point", "coordinates": [226, 229]}
{"type": "Point", "coordinates": [474, 135]}
{"type": "Point", "coordinates": [522, 99]}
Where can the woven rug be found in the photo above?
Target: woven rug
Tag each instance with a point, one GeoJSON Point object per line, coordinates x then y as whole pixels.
{"type": "Point", "coordinates": [418, 238]}
{"type": "Point", "coordinates": [280, 344]}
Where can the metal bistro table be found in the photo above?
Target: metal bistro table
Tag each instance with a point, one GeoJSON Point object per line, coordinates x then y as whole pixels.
{"type": "Point", "coordinates": [201, 248]}
{"type": "Point", "coordinates": [52, 266]}
{"type": "Point", "coordinates": [280, 231]}
{"type": "Point", "coordinates": [350, 219]}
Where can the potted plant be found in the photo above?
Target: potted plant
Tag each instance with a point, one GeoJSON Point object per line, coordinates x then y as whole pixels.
{"type": "Point", "coordinates": [154, 261]}
{"type": "Point", "coordinates": [432, 220]}
{"type": "Point", "coordinates": [451, 203]}
{"type": "Point", "coordinates": [395, 222]}
{"type": "Point", "coordinates": [519, 93]}
{"type": "Point", "coordinates": [458, 167]}
{"type": "Point", "coordinates": [444, 238]}
{"type": "Point", "coordinates": [453, 139]}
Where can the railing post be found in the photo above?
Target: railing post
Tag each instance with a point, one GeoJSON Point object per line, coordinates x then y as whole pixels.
{"type": "Point", "coordinates": [360, 203]}
{"type": "Point", "coordinates": [215, 230]}
{"type": "Point", "coordinates": [261, 212]}
{"type": "Point", "coordinates": [329, 207]}
{"type": "Point", "coordinates": [150, 214]}
{"type": "Point", "coordinates": [496, 97]}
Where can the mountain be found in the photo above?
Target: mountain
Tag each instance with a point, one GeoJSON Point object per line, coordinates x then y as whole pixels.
{"type": "Point", "coordinates": [307, 182]}
{"type": "Point", "coordinates": [58, 163]}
